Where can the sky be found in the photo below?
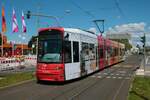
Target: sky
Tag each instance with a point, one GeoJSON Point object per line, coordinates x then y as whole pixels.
{"type": "Point", "coordinates": [120, 15]}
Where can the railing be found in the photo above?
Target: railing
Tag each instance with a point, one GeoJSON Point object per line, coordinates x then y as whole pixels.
{"type": "Point", "coordinates": [17, 63]}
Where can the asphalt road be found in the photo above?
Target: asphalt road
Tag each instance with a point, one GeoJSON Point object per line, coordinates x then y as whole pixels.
{"type": "Point", "coordinates": [109, 84]}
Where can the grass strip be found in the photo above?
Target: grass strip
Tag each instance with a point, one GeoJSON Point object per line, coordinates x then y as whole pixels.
{"type": "Point", "coordinates": [14, 78]}
{"type": "Point", "coordinates": [140, 89]}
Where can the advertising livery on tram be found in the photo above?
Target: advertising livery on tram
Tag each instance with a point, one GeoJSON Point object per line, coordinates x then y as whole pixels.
{"type": "Point", "coordinates": [69, 53]}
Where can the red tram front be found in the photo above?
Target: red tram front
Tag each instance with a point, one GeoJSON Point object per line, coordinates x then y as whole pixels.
{"type": "Point", "coordinates": [69, 53]}
{"type": "Point", "coordinates": [50, 65]}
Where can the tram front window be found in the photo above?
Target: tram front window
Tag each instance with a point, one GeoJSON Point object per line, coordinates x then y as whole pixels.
{"type": "Point", "coordinates": [50, 50]}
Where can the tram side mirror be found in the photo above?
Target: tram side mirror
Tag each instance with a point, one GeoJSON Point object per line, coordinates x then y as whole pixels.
{"type": "Point", "coordinates": [66, 37]}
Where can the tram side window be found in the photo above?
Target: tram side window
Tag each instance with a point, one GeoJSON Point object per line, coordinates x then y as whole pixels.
{"type": "Point", "coordinates": [101, 53]}
{"type": "Point", "coordinates": [84, 52]}
{"type": "Point", "coordinates": [92, 52]}
{"type": "Point", "coordinates": [123, 51]}
{"type": "Point", "coordinates": [67, 51]}
{"type": "Point", "coordinates": [120, 52]}
{"type": "Point", "coordinates": [116, 51]}
{"type": "Point", "coordinates": [75, 51]}
{"type": "Point", "coordinates": [108, 51]}
{"type": "Point", "coordinates": [112, 51]}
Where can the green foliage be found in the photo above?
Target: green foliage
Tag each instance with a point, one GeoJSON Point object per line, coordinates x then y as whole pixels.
{"type": "Point", "coordinates": [128, 46]}
{"type": "Point", "coordinates": [140, 89]}
{"type": "Point", "coordinates": [33, 41]}
{"type": "Point", "coordinates": [15, 78]}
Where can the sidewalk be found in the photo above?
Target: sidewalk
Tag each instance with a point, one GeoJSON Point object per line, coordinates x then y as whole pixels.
{"type": "Point", "coordinates": [144, 70]}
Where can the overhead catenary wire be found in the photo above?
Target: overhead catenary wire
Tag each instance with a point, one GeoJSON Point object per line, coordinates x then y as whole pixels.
{"type": "Point", "coordinates": [119, 8]}
{"type": "Point", "coordinates": [89, 14]}
{"type": "Point", "coordinates": [83, 10]}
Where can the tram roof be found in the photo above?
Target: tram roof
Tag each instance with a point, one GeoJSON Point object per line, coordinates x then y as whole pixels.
{"type": "Point", "coordinates": [80, 31]}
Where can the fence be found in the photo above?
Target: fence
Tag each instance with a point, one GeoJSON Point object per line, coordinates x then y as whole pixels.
{"type": "Point", "coordinates": [15, 63]}
{"type": "Point", "coordinates": [31, 60]}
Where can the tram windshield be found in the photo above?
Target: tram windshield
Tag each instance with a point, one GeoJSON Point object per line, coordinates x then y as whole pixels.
{"type": "Point", "coordinates": [50, 47]}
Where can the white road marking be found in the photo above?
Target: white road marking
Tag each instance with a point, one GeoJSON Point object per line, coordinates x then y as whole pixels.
{"type": "Point", "coordinates": [99, 76]}
{"type": "Point", "coordinates": [122, 71]}
{"type": "Point", "coordinates": [118, 90]}
{"type": "Point", "coordinates": [108, 77]}
{"type": "Point", "coordinates": [117, 74]}
{"type": "Point", "coordinates": [119, 77]}
{"type": "Point", "coordinates": [122, 74]}
{"type": "Point", "coordinates": [111, 74]}
{"type": "Point", "coordinates": [114, 77]}
{"type": "Point", "coordinates": [105, 73]}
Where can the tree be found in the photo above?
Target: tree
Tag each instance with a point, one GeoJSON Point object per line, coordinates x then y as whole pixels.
{"type": "Point", "coordinates": [33, 41]}
{"type": "Point", "coordinates": [128, 46]}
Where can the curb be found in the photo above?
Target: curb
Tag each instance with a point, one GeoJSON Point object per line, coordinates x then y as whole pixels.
{"type": "Point", "coordinates": [16, 84]}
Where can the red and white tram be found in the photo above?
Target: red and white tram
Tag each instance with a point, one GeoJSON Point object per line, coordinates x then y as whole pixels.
{"type": "Point", "coordinates": [68, 53]}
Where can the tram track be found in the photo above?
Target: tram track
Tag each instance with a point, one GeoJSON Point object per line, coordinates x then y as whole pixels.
{"type": "Point", "coordinates": [79, 89]}
{"type": "Point", "coordinates": [96, 82]}
{"type": "Point", "coordinates": [105, 85]}
{"type": "Point", "coordinates": [91, 85]}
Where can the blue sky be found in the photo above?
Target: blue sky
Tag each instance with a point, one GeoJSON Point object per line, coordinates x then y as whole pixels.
{"type": "Point", "coordinates": [115, 13]}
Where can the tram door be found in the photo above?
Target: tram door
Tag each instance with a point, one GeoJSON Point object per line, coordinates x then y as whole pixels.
{"type": "Point", "coordinates": [71, 59]}
{"type": "Point", "coordinates": [83, 58]}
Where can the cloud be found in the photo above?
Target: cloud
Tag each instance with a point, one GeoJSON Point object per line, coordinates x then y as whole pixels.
{"type": "Point", "coordinates": [128, 28]}
{"type": "Point", "coordinates": [92, 29]}
{"type": "Point", "coordinates": [136, 30]}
